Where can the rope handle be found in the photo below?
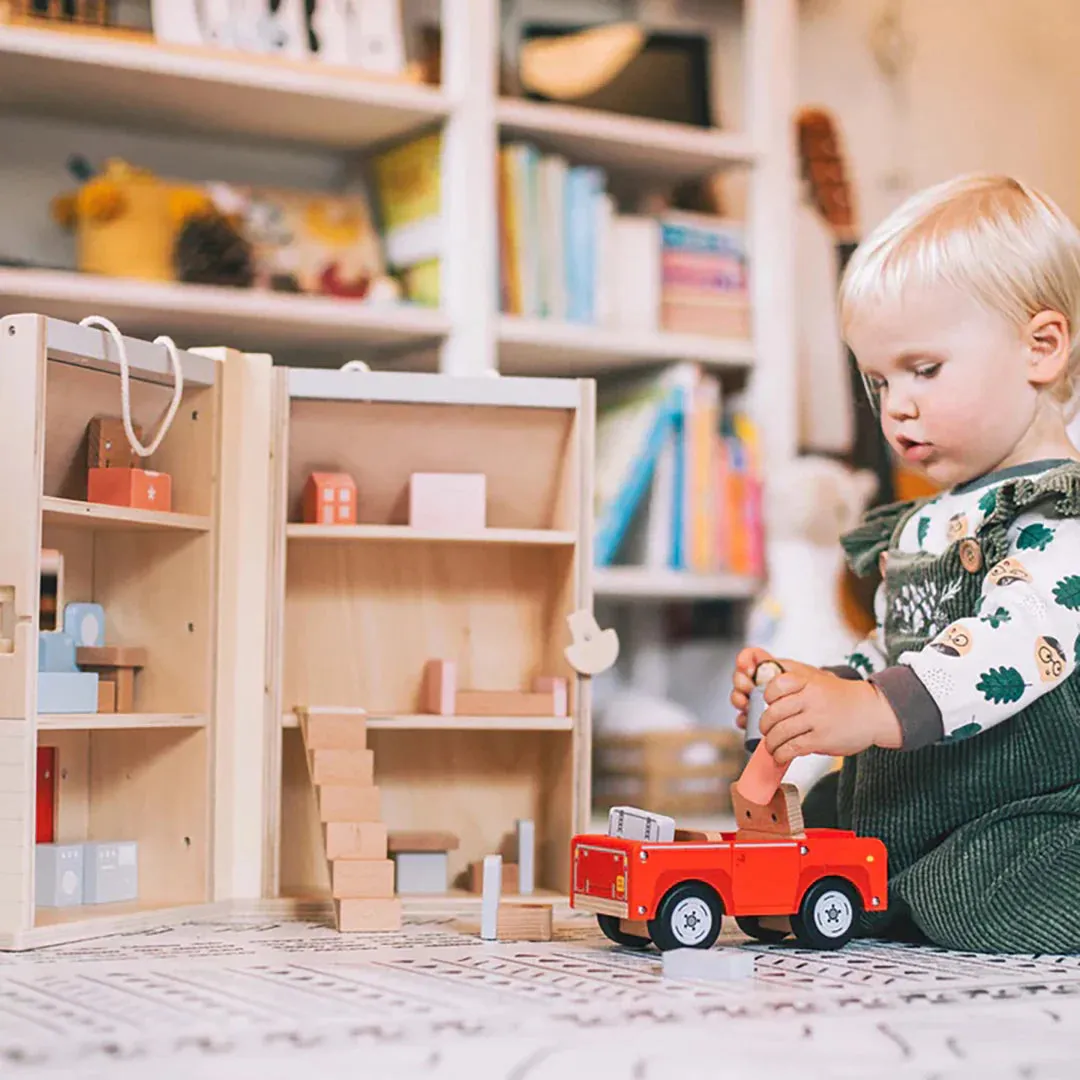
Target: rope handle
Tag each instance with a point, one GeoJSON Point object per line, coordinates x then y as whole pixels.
{"type": "Point", "coordinates": [125, 383]}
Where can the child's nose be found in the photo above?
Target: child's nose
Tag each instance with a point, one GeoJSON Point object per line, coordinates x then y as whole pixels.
{"type": "Point", "coordinates": [900, 405]}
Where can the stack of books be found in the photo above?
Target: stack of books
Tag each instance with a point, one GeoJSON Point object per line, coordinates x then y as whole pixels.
{"type": "Point", "coordinates": [678, 480]}
{"type": "Point", "coordinates": [567, 254]}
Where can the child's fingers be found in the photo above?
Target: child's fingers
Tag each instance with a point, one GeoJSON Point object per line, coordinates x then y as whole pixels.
{"type": "Point", "coordinates": [783, 709]}
{"type": "Point", "coordinates": [787, 739]}
{"type": "Point", "coordinates": [743, 683]}
{"type": "Point", "coordinates": [749, 658]}
{"type": "Point", "coordinates": [784, 685]}
{"type": "Point", "coordinates": [740, 721]}
{"type": "Point", "coordinates": [739, 700]}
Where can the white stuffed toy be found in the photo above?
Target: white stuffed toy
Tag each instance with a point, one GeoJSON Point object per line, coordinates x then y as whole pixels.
{"type": "Point", "coordinates": [809, 504]}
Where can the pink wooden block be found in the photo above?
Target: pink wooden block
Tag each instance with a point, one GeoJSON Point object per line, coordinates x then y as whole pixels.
{"type": "Point", "coordinates": [761, 778]}
{"type": "Point", "coordinates": [448, 501]}
{"type": "Point", "coordinates": [440, 687]}
{"type": "Point", "coordinates": [554, 685]}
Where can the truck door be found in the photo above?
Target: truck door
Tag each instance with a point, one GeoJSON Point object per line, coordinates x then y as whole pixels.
{"type": "Point", "coordinates": [765, 876]}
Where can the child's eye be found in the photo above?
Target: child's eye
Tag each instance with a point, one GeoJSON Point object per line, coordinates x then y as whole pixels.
{"type": "Point", "coordinates": [877, 383]}
{"type": "Point", "coordinates": [927, 371]}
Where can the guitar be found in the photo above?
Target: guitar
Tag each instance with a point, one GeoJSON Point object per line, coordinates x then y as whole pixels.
{"type": "Point", "coordinates": [830, 191]}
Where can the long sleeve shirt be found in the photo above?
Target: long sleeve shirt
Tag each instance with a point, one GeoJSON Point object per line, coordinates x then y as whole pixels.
{"type": "Point", "coordinates": [1021, 642]}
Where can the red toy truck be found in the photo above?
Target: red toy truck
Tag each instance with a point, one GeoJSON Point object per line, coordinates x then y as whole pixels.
{"type": "Point", "coordinates": [676, 892]}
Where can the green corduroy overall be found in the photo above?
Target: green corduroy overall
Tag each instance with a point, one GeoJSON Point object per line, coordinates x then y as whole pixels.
{"type": "Point", "coordinates": [983, 833]}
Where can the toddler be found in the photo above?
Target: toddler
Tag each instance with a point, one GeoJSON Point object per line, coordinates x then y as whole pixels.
{"type": "Point", "coordinates": [958, 718]}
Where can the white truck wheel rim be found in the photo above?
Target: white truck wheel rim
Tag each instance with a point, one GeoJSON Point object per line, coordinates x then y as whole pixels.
{"type": "Point", "coordinates": [833, 914]}
{"type": "Point", "coordinates": [691, 921]}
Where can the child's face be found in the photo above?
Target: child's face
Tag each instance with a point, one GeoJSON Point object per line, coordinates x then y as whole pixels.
{"type": "Point", "coordinates": [952, 380]}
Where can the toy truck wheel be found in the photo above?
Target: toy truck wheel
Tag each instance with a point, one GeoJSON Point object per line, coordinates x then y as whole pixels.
{"type": "Point", "coordinates": [751, 926]}
{"type": "Point", "coordinates": [689, 917]}
{"type": "Point", "coordinates": [828, 914]}
{"type": "Point", "coordinates": [611, 929]}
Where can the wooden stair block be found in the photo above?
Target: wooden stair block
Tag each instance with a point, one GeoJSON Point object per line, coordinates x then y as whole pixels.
{"type": "Point", "coordinates": [342, 767]}
{"type": "Point", "coordinates": [362, 879]}
{"type": "Point", "coordinates": [354, 840]}
{"type": "Point", "coordinates": [343, 802]}
{"type": "Point", "coordinates": [337, 729]}
{"type": "Point", "coordinates": [360, 915]}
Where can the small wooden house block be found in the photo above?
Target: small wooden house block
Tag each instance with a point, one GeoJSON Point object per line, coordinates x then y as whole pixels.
{"type": "Point", "coordinates": [330, 499]}
{"type": "Point", "coordinates": [524, 922]}
{"type": "Point", "coordinates": [448, 502]}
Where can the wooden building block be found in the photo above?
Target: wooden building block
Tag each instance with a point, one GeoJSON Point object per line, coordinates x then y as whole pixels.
{"type": "Point", "coordinates": [439, 689]}
{"type": "Point", "coordinates": [510, 878]}
{"type": "Point", "coordinates": [137, 488]}
{"type": "Point", "coordinates": [362, 879]}
{"type": "Point", "coordinates": [342, 766]}
{"type": "Point", "coordinates": [110, 656]}
{"type": "Point", "coordinates": [361, 915]}
{"type": "Point", "coordinates": [504, 703]}
{"type": "Point", "coordinates": [524, 922]}
{"type": "Point", "coordinates": [107, 445]}
{"type": "Point", "coordinates": [106, 696]}
{"type": "Point", "coordinates": [422, 840]}
{"type": "Point", "coordinates": [329, 499]}
{"type": "Point", "coordinates": [447, 502]}
{"type": "Point", "coordinates": [354, 840]}
{"type": "Point", "coordinates": [344, 802]}
{"type": "Point", "coordinates": [781, 817]}
{"type": "Point", "coordinates": [333, 729]}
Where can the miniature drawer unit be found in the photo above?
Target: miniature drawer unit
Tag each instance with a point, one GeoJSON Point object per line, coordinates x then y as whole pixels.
{"type": "Point", "coordinates": [440, 611]}
{"type": "Point", "coordinates": [121, 685]}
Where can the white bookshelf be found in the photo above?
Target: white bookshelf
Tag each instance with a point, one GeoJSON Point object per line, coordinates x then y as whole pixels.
{"type": "Point", "coordinates": [646, 583]}
{"type": "Point", "coordinates": [130, 84]}
{"type": "Point", "coordinates": [252, 319]}
{"type": "Point", "coordinates": [543, 346]}
{"type": "Point", "coordinates": [308, 109]}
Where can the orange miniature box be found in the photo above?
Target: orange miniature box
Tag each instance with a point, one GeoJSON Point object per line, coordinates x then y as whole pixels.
{"type": "Point", "coordinates": [137, 488]}
{"type": "Point", "coordinates": [330, 499]}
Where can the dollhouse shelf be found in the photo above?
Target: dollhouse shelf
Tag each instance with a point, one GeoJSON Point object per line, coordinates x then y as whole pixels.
{"type": "Point", "coordinates": [431, 722]}
{"type": "Point", "coordinates": [141, 84]}
{"type": "Point", "coordinates": [99, 516]}
{"type": "Point", "coordinates": [642, 583]}
{"type": "Point", "coordinates": [547, 347]}
{"type": "Point", "coordinates": [529, 537]}
{"type": "Point", "coordinates": [195, 314]}
{"type": "Point", "coordinates": [117, 721]}
{"type": "Point", "coordinates": [589, 136]}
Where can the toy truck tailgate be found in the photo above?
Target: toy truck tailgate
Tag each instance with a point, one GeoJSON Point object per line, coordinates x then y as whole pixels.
{"type": "Point", "coordinates": [599, 875]}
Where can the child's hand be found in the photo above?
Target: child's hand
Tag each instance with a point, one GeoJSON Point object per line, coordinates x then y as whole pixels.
{"type": "Point", "coordinates": [811, 711]}
{"type": "Point", "coordinates": [742, 680]}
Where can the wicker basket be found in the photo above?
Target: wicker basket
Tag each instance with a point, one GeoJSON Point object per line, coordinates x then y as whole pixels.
{"type": "Point", "coordinates": [685, 773]}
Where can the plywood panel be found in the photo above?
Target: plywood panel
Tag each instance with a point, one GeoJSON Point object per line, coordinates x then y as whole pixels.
{"type": "Point", "coordinates": [152, 786]}
{"type": "Point", "coordinates": [157, 592]}
{"type": "Point", "coordinates": [473, 784]}
{"type": "Point", "coordinates": [361, 620]}
{"type": "Point", "coordinates": [521, 451]}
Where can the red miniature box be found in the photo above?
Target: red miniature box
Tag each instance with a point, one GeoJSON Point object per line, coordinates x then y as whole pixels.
{"type": "Point", "coordinates": [330, 499]}
{"type": "Point", "coordinates": [137, 488]}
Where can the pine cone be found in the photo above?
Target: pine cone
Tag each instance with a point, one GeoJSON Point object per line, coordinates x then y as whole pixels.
{"type": "Point", "coordinates": [210, 251]}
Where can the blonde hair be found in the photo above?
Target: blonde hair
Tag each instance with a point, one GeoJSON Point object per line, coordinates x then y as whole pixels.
{"type": "Point", "coordinates": [1005, 244]}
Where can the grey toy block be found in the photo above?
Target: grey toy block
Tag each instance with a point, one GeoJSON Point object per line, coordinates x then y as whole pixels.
{"type": "Point", "coordinates": [725, 964]}
{"type": "Point", "coordinates": [111, 872]}
{"type": "Point", "coordinates": [58, 875]}
{"type": "Point", "coordinates": [420, 872]}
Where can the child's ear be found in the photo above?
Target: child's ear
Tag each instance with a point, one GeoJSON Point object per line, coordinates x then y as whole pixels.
{"type": "Point", "coordinates": [1047, 339]}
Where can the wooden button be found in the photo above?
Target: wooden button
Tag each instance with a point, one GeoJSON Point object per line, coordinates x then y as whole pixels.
{"type": "Point", "coordinates": [970, 555]}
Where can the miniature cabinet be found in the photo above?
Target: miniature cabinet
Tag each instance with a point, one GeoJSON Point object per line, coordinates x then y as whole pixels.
{"type": "Point", "coordinates": [357, 611]}
{"type": "Point", "coordinates": [146, 775]}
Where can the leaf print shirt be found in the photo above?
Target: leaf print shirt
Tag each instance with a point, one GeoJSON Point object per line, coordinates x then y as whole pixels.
{"type": "Point", "coordinates": [1022, 641]}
